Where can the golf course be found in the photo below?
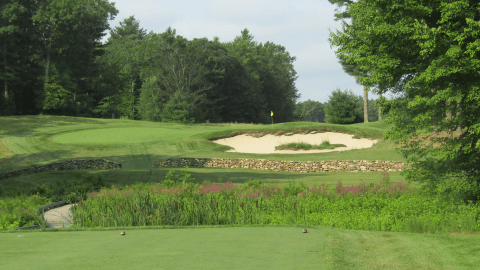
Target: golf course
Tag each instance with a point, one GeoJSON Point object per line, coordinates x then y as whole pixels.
{"type": "Point", "coordinates": [218, 217]}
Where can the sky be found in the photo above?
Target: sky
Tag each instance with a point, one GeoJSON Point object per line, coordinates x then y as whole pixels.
{"type": "Point", "coordinates": [301, 26]}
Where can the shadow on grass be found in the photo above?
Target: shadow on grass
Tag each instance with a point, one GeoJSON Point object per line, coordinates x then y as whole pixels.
{"type": "Point", "coordinates": [18, 162]}
{"type": "Point", "coordinates": [25, 126]}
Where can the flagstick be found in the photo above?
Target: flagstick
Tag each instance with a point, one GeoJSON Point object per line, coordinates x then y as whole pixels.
{"type": "Point", "coordinates": [271, 115]}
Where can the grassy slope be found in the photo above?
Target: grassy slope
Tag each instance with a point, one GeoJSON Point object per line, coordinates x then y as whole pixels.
{"type": "Point", "coordinates": [36, 140]}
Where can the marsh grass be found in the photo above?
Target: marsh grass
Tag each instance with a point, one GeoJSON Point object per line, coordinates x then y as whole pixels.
{"type": "Point", "coordinates": [305, 146]}
{"type": "Point", "coordinates": [389, 208]}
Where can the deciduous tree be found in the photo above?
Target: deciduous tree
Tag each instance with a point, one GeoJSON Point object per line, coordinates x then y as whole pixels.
{"type": "Point", "coordinates": [427, 45]}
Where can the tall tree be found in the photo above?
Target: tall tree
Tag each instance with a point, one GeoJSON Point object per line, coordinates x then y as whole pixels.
{"type": "Point", "coordinates": [57, 20]}
{"type": "Point", "coordinates": [277, 76]}
{"type": "Point", "coordinates": [248, 103]}
{"type": "Point", "coordinates": [177, 68]}
{"type": "Point", "coordinates": [124, 53]}
{"type": "Point", "coordinates": [419, 47]}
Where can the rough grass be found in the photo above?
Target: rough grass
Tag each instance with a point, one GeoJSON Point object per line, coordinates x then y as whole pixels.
{"type": "Point", "coordinates": [307, 146]}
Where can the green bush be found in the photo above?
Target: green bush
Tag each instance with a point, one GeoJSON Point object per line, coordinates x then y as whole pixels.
{"type": "Point", "coordinates": [172, 178]}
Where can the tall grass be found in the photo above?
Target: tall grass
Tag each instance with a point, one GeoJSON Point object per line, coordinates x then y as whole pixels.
{"type": "Point", "coordinates": [20, 211]}
{"type": "Point", "coordinates": [392, 208]}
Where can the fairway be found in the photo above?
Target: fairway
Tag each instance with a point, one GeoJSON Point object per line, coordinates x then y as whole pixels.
{"type": "Point", "coordinates": [122, 135]}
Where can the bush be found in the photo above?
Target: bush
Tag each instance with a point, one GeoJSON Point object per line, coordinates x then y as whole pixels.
{"type": "Point", "coordinates": [182, 178]}
{"type": "Point", "coordinates": [343, 108]}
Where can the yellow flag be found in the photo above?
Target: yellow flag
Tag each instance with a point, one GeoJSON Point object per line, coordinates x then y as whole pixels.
{"type": "Point", "coordinates": [271, 114]}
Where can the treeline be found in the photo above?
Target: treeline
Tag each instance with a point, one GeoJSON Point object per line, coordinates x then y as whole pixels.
{"type": "Point", "coordinates": [343, 107]}
{"type": "Point", "coordinates": [52, 62]}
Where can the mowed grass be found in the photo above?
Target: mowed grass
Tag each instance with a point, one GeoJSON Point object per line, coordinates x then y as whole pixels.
{"type": "Point", "coordinates": [35, 140]}
{"type": "Point", "coordinates": [221, 247]}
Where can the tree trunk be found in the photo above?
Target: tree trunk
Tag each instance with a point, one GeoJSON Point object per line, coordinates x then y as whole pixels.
{"type": "Point", "coordinates": [365, 105]}
{"type": "Point", "coordinates": [48, 62]}
{"type": "Point", "coordinates": [458, 132]}
{"type": "Point", "coordinates": [5, 64]}
{"type": "Point", "coordinates": [448, 117]}
{"type": "Point", "coordinates": [133, 100]}
{"type": "Point", "coordinates": [379, 109]}
{"type": "Point", "coordinates": [435, 131]}
{"type": "Point", "coordinates": [75, 93]}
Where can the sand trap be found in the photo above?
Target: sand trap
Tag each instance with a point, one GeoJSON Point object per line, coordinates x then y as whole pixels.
{"type": "Point", "coordinates": [267, 143]}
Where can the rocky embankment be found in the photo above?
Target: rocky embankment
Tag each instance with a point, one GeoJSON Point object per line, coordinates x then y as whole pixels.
{"type": "Point", "coordinates": [76, 164]}
{"type": "Point", "coordinates": [288, 166]}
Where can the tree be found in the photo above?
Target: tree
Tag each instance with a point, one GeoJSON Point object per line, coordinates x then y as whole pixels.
{"type": "Point", "coordinates": [57, 21]}
{"type": "Point", "coordinates": [311, 111]}
{"type": "Point", "coordinates": [128, 28]}
{"type": "Point", "coordinates": [177, 110]}
{"type": "Point", "coordinates": [125, 54]}
{"type": "Point", "coordinates": [420, 50]}
{"type": "Point", "coordinates": [353, 69]}
{"type": "Point", "coordinates": [151, 101]}
{"type": "Point", "coordinates": [277, 76]}
{"type": "Point", "coordinates": [342, 107]}
{"type": "Point", "coordinates": [176, 67]}
{"type": "Point", "coordinates": [242, 82]}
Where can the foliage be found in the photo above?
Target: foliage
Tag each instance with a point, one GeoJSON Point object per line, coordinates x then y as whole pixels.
{"type": "Point", "coordinates": [182, 178]}
{"type": "Point", "coordinates": [151, 103]}
{"type": "Point", "coordinates": [177, 110]}
{"type": "Point", "coordinates": [52, 55]}
{"type": "Point", "coordinates": [311, 111]}
{"type": "Point", "coordinates": [20, 211]}
{"type": "Point", "coordinates": [343, 108]}
{"type": "Point", "coordinates": [432, 77]}
{"type": "Point", "coordinates": [18, 203]}
{"type": "Point", "coordinates": [372, 207]}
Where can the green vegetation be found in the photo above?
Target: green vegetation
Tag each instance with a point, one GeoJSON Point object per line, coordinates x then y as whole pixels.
{"type": "Point", "coordinates": [434, 112]}
{"type": "Point", "coordinates": [314, 111]}
{"type": "Point", "coordinates": [307, 146]}
{"type": "Point", "coordinates": [161, 198]}
{"type": "Point", "coordinates": [375, 207]}
{"type": "Point", "coordinates": [343, 107]}
{"type": "Point", "coordinates": [135, 74]}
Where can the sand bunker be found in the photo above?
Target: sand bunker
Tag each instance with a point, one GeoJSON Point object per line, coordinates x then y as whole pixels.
{"type": "Point", "coordinates": [267, 143]}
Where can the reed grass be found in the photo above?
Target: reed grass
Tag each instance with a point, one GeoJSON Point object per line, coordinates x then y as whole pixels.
{"type": "Point", "coordinates": [390, 208]}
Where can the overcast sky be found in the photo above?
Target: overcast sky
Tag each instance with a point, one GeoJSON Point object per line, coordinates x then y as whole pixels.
{"type": "Point", "coordinates": [301, 26]}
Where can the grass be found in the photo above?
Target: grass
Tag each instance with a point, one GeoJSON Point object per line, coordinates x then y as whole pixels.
{"type": "Point", "coordinates": [307, 146]}
{"type": "Point", "coordinates": [256, 247]}
{"type": "Point", "coordinates": [35, 140]}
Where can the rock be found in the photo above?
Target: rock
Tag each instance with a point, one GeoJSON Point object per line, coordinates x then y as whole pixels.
{"type": "Point", "coordinates": [289, 166]}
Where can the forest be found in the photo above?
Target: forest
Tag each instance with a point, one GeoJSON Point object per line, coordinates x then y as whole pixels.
{"type": "Point", "coordinates": [53, 62]}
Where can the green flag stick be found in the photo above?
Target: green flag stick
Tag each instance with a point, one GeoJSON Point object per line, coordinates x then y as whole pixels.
{"type": "Point", "coordinates": [271, 115]}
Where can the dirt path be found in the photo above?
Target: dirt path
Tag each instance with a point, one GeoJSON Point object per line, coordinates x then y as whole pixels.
{"type": "Point", "coordinates": [59, 217]}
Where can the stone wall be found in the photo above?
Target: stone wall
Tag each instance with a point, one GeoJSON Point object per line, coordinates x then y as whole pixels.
{"type": "Point", "coordinates": [288, 166]}
{"type": "Point", "coordinates": [75, 164]}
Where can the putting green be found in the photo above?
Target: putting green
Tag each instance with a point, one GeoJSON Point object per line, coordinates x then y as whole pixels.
{"type": "Point", "coordinates": [122, 135]}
